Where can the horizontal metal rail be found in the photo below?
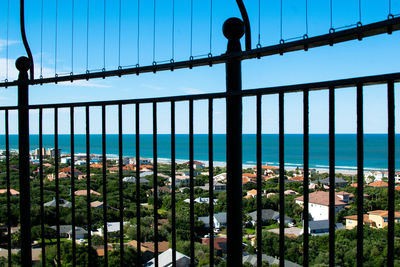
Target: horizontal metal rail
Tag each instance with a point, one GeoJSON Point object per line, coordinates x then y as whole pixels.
{"type": "Point", "coordinates": [360, 32]}
{"type": "Point", "coordinates": [343, 83]}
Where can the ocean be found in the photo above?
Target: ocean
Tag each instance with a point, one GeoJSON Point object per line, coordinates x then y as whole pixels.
{"type": "Point", "coordinates": [375, 148]}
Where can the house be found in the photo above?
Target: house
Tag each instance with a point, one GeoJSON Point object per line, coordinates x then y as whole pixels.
{"type": "Point", "coordinates": [246, 180]}
{"type": "Point", "coordinates": [66, 231]}
{"type": "Point", "coordinates": [165, 259]}
{"type": "Point", "coordinates": [113, 229]}
{"type": "Point", "coordinates": [374, 218]}
{"type": "Point", "coordinates": [321, 227]}
{"type": "Point", "coordinates": [99, 205]}
{"type": "Point", "coordinates": [149, 246]}
{"type": "Point", "coordinates": [318, 205]}
{"type": "Point", "coordinates": [220, 178]}
{"type": "Point", "coordinates": [251, 193]}
{"type": "Point", "coordinates": [68, 172]}
{"type": "Point", "coordinates": [290, 192]}
{"type": "Point", "coordinates": [84, 193]}
{"type": "Point", "coordinates": [219, 220]}
{"type": "Point", "coordinates": [196, 164]}
{"type": "Point", "coordinates": [268, 214]}
{"type": "Point", "coordinates": [13, 193]}
{"type": "Point", "coordinates": [378, 184]}
{"type": "Point", "coordinates": [218, 187]}
{"type": "Point", "coordinates": [296, 179]}
{"type": "Point", "coordinates": [61, 202]}
{"type": "Point", "coordinates": [377, 175]}
{"type": "Point", "coordinates": [250, 175]}
{"type": "Point", "coordinates": [271, 261]}
{"type": "Point", "coordinates": [219, 244]}
{"type": "Point", "coordinates": [201, 200]}
{"type": "Point", "coordinates": [345, 197]}
{"type": "Point", "coordinates": [132, 179]}
{"type": "Point", "coordinates": [397, 177]}
{"type": "Point", "coordinates": [339, 182]}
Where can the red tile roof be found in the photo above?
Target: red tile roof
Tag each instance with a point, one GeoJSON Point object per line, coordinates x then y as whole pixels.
{"type": "Point", "coordinates": [297, 178]}
{"type": "Point", "coordinates": [378, 184]}
{"type": "Point", "coordinates": [322, 198]}
{"type": "Point", "coordinates": [250, 175]}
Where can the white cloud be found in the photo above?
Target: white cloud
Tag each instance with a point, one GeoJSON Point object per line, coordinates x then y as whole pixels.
{"type": "Point", "coordinates": [154, 87]}
{"type": "Point", "coordinates": [3, 43]}
{"type": "Point", "coordinates": [193, 91]}
{"type": "Point", "coordinates": [81, 83]}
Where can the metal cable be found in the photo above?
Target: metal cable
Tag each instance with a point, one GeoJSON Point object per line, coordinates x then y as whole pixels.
{"type": "Point", "coordinates": [173, 31]}
{"type": "Point", "coordinates": [191, 29]}
{"type": "Point", "coordinates": [211, 24]}
{"type": "Point", "coordinates": [119, 35]}
{"type": "Point", "coordinates": [281, 25]}
{"type": "Point", "coordinates": [259, 24]}
{"type": "Point", "coordinates": [331, 13]}
{"type": "Point", "coordinates": [56, 41]}
{"type": "Point", "coordinates": [307, 17]}
{"type": "Point", "coordinates": [8, 26]}
{"type": "Point", "coordinates": [72, 37]}
{"type": "Point", "coordinates": [87, 35]}
{"type": "Point", "coordinates": [138, 31]}
{"type": "Point", "coordinates": [41, 41]}
{"type": "Point", "coordinates": [154, 31]}
{"type": "Point", "coordinates": [104, 35]}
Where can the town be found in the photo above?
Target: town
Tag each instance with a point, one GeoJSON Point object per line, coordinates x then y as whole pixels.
{"type": "Point", "coordinates": [375, 211]}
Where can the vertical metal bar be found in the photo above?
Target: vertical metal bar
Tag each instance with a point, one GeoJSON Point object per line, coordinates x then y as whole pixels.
{"type": "Point", "coordinates": [155, 183]}
{"type": "Point", "coordinates": [56, 159]}
{"type": "Point", "coordinates": [173, 184]}
{"type": "Point", "coordinates": [137, 136]}
{"type": "Point", "coordinates": [259, 183]}
{"type": "Point", "coordinates": [72, 133]}
{"type": "Point", "coordinates": [23, 64]}
{"type": "Point", "coordinates": [121, 192]}
{"type": "Point", "coordinates": [88, 207]}
{"type": "Point", "coordinates": [211, 178]}
{"type": "Point", "coordinates": [233, 30]}
{"type": "Point", "coordinates": [331, 211]}
{"type": "Point", "coordinates": [43, 244]}
{"type": "Point", "coordinates": [360, 175]}
{"type": "Point", "coordinates": [191, 184]}
{"type": "Point", "coordinates": [391, 166]}
{"type": "Point", "coordinates": [306, 176]}
{"type": "Point", "coordinates": [104, 158]}
{"type": "Point", "coordinates": [8, 188]}
{"type": "Point", "coordinates": [281, 180]}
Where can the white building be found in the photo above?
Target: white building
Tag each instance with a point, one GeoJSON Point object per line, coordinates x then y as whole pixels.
{"type": "Point", "coordinates": [318, 205]}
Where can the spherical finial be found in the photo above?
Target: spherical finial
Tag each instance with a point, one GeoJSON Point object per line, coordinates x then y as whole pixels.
{"type": "Point", "coordinates": [233, 28]}
{"type": "Point", "coordinates": [23, 64]}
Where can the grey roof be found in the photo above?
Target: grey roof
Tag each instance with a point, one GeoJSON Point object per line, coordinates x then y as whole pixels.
{"type": "Point", "coordinates": [165, 259]}
{"type": "Point", "coordinates": [338, 180]}
{"type": "Point", "coordinates": [322, 224]}
{"type": "Point", "coordinates": [268, 214]}
{"type": "Point", "coordinates": [220, 217]}
{"type": "Point", "coordinates": [61, 202]}
{"type": "Point", "coordinates": [67, 229]}
{"type": "Point", "coordinates": [252, 259]}
{"type": "Point", "coordinates": [132, 179]}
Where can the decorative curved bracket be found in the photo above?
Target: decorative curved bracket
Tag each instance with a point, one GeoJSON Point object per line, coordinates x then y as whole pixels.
{"type": "Point", "coordinates": [246, 21]}
{"type": "Point", "coordinates": [24, 40]}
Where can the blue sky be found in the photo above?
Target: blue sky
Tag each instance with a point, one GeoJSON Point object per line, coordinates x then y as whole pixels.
{"type": "Point", "coordinates": [374, 55]}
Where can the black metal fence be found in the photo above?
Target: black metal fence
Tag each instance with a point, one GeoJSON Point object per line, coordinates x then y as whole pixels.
{"type": "Point", "coordinates": [233, 30]}
{"type": "Point", "coordinates": [234, 176]}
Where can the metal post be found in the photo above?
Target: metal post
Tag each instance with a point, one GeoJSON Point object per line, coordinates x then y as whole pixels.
{"type": "Point", "coordinates": [233, 30]}
{"type": "Point", "coordinates": [23, 64]}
